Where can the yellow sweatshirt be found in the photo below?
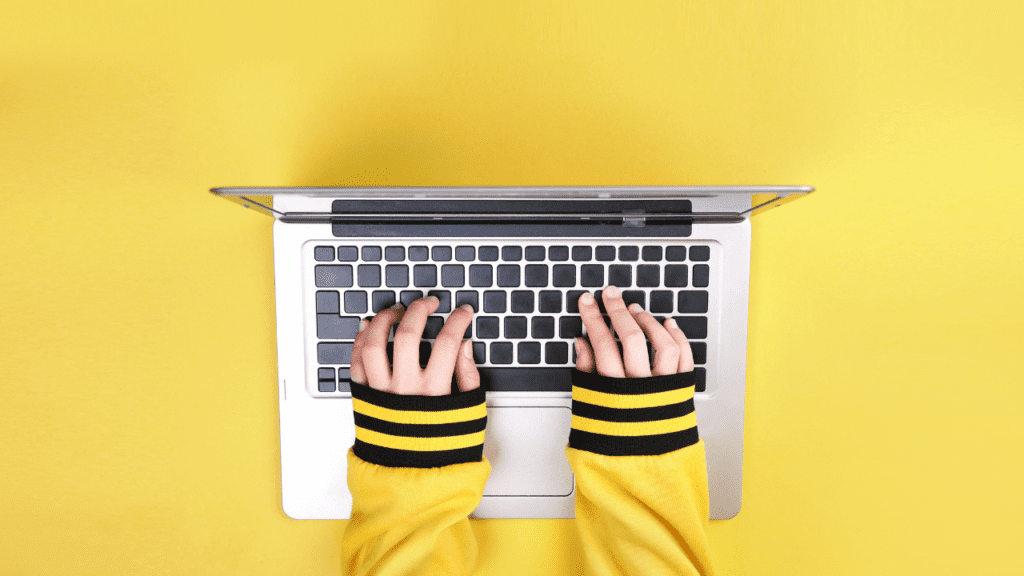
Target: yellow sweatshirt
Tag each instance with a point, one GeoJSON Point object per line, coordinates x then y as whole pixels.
{"type": "Point", "coordinates": [417, 470]}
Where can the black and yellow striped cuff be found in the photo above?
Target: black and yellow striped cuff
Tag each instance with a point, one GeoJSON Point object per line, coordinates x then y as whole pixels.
{"type": "Point", "coordinates": [632, 416]}
{"type": "Point", "coordinates": [402, 431]}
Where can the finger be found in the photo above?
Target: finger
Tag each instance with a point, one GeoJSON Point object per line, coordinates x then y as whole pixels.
{"type": "Point", "coordinates": [584, 355]}
{"type": "Point", "coordinates": [466, 374]}
{"type": "Point", "coordinates": [408, 378]}
{"type": "Point", "coordinates": [666, 350]}
{"type": "Point", "coordinates": [606, 353]}
{"type": "Point", "coordinates": [685, 353]}
{"type": "Point", "coordinates": [446, 351]}
{"type": "Point", "coordinates": [356, 373]}
{"type": "Point", "coordinates": [375, 352]}
{"type": "Point", "coordinates": [634, 342]}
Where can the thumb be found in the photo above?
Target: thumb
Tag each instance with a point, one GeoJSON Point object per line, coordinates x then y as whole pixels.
{"type": "Point", "coordinates": [466, 374]}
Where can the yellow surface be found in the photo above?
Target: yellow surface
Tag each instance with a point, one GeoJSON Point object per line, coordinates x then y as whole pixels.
{"type": "Point", "coordinates": [138, 416]}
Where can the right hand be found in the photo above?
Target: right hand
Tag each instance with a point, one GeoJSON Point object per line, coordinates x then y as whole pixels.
{"type": "Point", "coordinates": [672, 354]}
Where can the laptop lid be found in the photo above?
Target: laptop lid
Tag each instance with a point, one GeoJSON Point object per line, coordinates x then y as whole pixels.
{"type": "Point", "coordinates": [631, 206]}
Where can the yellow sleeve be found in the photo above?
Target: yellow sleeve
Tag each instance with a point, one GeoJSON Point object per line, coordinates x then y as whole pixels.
{"type": "Point", "coordinates": [641, 476]}
{"type": "Point", "coordinates": [416, 472]}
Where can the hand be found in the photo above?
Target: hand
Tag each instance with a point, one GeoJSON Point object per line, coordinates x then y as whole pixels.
{"type": "Point", "coordinates": [450, 352]}
{"type": "Point", "coordinates": [672, 354]}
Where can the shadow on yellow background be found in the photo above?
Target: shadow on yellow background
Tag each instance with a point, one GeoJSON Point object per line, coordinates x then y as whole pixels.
{"type": "Point", "coordinates": [138, 421]}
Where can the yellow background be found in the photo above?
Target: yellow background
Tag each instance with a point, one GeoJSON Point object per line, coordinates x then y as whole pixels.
{"type": "Point", "coordinates": [138, 418]}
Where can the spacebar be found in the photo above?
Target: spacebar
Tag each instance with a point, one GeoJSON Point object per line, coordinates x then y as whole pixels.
{"type": "Point", "coordinates": [526, 379]}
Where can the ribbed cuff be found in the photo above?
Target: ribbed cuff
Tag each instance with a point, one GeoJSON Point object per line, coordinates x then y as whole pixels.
{"type": "Point", "coordinates": [632, 416]}
{"type": "Point", "coordinates": [403, 431]}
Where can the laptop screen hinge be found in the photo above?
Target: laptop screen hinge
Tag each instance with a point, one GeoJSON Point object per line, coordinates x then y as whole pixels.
{"type": "Point", "coordinates": [633, 219]}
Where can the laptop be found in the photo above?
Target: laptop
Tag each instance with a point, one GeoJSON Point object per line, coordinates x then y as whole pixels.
{"type": "Point", "coordinates": [521, 256]}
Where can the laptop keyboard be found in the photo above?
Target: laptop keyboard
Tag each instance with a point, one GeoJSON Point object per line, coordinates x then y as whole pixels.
{"type": "Point", "coordinates": [525, 295]}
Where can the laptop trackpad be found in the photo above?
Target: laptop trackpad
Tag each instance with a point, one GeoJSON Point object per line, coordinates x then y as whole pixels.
{"type": "Point", "coordinates": [526, 448]}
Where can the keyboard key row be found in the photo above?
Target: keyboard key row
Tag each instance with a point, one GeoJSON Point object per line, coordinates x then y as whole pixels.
{"type": "Point", "coordinates": [512, 253]}
{"type": "Point", "coordinates": [513, 275]}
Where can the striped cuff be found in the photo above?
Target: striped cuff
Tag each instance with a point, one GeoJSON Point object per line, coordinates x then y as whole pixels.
{"type": "Point", "coordinates": [403, 431]}
{"type": "Point", "coordinates": [632, 416]}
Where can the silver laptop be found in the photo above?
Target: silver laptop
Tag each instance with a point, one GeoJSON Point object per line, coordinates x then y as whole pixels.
{"type": "Point", "coordinates": [521, 256]}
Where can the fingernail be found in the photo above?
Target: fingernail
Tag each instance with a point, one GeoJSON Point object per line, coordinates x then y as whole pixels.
{"type": "Point", "coordinates": [467, 349]}
{"type": "Point", "coordinates": [634, 307]}
{"type": "Point", "coordinates": [467, 307]}
{"type": "Point", "coordinates": [672, 323]}
{"type": "Point", "coordinates": [587, 298]}
{"type": "Point", "coordinates": [612, 291]}
{"type": "Point", "coordinates": [362, 325]}
{"type": "Point", "coordinates": [576, 343]}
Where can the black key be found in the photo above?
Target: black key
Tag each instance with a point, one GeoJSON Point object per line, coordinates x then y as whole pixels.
{"type": "Point", "coordinates": [600, 301]}
{"type": "Point", "coordinates": [675, 275]}
{"type": "Point", "coordinates": [629, 253]}
{"type": "Point", "coordinates": [325, 378]}
{"type": "Point", "coordinates": [648, 275]}
{"type": "Point", "coordinates": [542, 327]}
{"type": "Point", "coordinates": [508, 274]}
{"type": "Point", "coordinates": [700, 253]}
{"type": "Point", "coordinates": [511, 253]}
{"type": "Point", "coordinates": [605, 253]}
{"type": "Point", "coordinates": [334, 352]}
{"type": "Point", "coordinates": [558, 253]}
{"type": "Point", "coordinates": [693, 301]}
{"type": "Point", "coordinates": [675, 253]}
{"type": "Point", "coordinates": [570, 327]}
{"type": "Point", "coordinates": [394, 253]}
{"type": "Point", "coordinates": [441, 253]}
{"type": "Point", "coordinates": [572, 301]}
{"type": "Point", "coordinates": [620, 275]}
{"type": "Point", "coordinates": [637, 296]}
{"type": "Point", "coordinates": [592, 275]}
{"type": "Point", "coordinates": [535, 253]}
{"type": "Point", "coordinates": [433, 326]}
{"type": "Point", "coordinates": [701, 274]}
{"type": "Point", "coordinates": [661, 301]}
{"type": "Point", "coordinates": [556, 352]}
{"type": "Point", "coordinates": [371, 253]}
{"type": "Point", "coordinates": [563, 275]}
{"type": "Point", "coordinates": [582, 253]}
{"type": "Point", "coordinates": [515, 327]}
{"type": "Point", "coordinates": [501, 352]}
{"type": "Point", "coordinates": [465, 253]}
{"type": "Point", "coordinates": [382, 299]}
{"type": "Point", "coordinates": [549, 301]}
{"type": "Point", "coordinates": [445, 299]}
{"type": "Point", "coordinates": [574, 353]}
{"type": "Point", "coordinates": [487, 253]}
{"type": "Point", "coordinates": [536, 275]}
{"type": "Point", "coordinates": [419, 253]}
{"type": "Point", "coordinates": [348, 253]}
{"type": "Point", "coordinates": [522, 301]}
{"type": "Point", "coordinates": [369, 275]}
{"type": "Point", "coordinates": [424, 275]}
{"type": "Point", "coordinates": [453, 275]}
{"type": "Point", "coordinates": [487, 327]}
{"type": "Point", "coordinates": [494, 301]}
{"type": "Point", "coordinates": [409, 296]}
{"type": "Point", "coordinates": [480, 275]}
{"type": "Point", "coordinates": [355, 302]}
{"type": "Point", "coordinates": [334, 327]}
{"type": "Point", "coordinates": [695, 327]}
{"type": "Point", "coordinates": [479, 352]}
{"type": "Point", "coordinates": [700, 379]}
{"type": "Point", "coordinates": [324, 254]}
{"type": "Point", "coordinates": [333, 276]}
{"type": "Point", "coordinates": [396, 275]}
{"type": "Point", "coordinates": [529, 352]}
{"type": "Point", "coordinates": [651, 253]}
{"type": "Point", "coordinates": [344, 380]}
{"type": "Point", "coordinates": [468, 333]}
{"type": "Point", "coordinates": [424, 354]}
{"type": "Point", "coordinates": [327, 302]}
{"type": "Point", "coordinates": [700, 352]}
{"type": "Point", "coordinates": [467, 297]}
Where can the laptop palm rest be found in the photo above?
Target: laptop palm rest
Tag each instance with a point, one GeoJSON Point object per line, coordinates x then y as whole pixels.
{"type": "Point", "coordinates": [526, 448]}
